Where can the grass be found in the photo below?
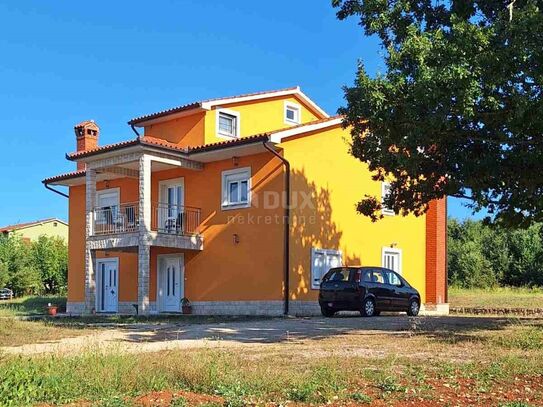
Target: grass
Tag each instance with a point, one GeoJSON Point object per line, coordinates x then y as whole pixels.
{"type": "Point", "coordinates": [500, 297]}
{"type": "Point", "coordinates": [14, 332]}
{"type": "Point", "coordinates": [28, 306]}
{"type": "Point", "coordinates": [481, 364]}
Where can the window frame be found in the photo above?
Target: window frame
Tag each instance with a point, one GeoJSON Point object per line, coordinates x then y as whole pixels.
{"type": "Point", "coordinates": [292, 106]}
{"type": "Point", "coordinates": [236, 115]}
{"type": "Point", "coordinates": [385, 210]}
{"type": "Point", "coordinates": [314, 252]}
{"type": "Point", "coordinates": [386, 249]}
{"type": "Point", "coordinates": [239, 175]}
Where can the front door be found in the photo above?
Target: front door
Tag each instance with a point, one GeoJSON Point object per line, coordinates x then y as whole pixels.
{"type": "Point", "coordinates": [171, 283]}
{"type": "Point", "coordinates": [107, 283]}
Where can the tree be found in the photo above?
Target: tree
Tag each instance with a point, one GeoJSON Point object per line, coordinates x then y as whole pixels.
{"type": "Point", "coordinates": [50, 258]}
{"type": "Point", "coordinates": [459, 110]}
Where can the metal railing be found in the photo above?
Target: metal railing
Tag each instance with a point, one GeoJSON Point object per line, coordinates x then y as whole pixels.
{"type": "Point", "coordinates": [174, 219]}
{"type": "Point", "coordinates": [123, 218]}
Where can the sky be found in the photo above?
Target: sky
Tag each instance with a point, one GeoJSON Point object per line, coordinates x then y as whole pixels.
{"type": "Point", "coordinates": [63, 62]}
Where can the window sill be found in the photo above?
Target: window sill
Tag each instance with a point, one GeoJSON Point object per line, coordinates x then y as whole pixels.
{"type": "Point", "coordinates": [227, 136]}
{"type": "Point", "coordinates": [230, 207]}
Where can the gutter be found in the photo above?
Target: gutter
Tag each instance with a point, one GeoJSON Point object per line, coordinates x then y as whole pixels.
{"type": "Point", "coordinates": [46, 185]}
{"type": "Point", "coordinates": [286, 239]}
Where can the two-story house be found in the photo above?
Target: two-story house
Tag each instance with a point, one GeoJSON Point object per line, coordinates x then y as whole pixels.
{"type": "Point", "coordinates": [239, 204]}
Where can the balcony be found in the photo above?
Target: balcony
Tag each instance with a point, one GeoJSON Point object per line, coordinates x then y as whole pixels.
{"type": "Point", "coordinates": [124, 218]}
{"type": "Point", "coordinates": [117, 226]}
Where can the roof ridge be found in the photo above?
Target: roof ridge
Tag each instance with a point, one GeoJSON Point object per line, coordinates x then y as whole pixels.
{"type": "Point", "coordinates": [15, 226]}
{"type": "Point", "coordinates": [200, 103]}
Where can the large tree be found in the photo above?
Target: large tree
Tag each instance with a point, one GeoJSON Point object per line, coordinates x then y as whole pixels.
{"type": "Point", "coordinates": [459, 109]}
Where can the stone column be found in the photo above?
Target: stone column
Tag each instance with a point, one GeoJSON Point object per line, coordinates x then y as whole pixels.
{"type": "Point", "coordinates": [90, 256]}
{"type": "Point", "coordinates": [144, 250]}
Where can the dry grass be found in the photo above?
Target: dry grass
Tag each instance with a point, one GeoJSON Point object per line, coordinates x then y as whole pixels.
{"type": "Point", "coordinates": [456, 361]}
{"type": "Point", "coordinates": [14, 332]}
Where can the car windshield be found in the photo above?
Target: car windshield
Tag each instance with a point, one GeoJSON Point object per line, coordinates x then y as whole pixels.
{"type": "Point", "coordinates": [337, 274]}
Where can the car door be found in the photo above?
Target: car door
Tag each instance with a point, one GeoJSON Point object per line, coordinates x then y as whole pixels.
{"type": "Point", "coordinates": [399, 296]}
{"type": "Point", "coordinates": [380, 290]}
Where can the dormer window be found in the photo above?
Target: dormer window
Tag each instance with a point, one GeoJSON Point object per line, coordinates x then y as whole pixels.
{"type": "Point", "coordinates": [292, 113]}
{"type": "Point", "coordinates": [227, 123]}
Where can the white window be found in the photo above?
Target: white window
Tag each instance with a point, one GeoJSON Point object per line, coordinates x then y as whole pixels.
{"type": "Point", "coordinates": [385, 190]}
{"type": "Point", "coordinates": [236, 188]}
{"type": "Point", "coordinates": [292, 113]}
{"type": "Point", "coordinates": [227, 123]}
{"type": "Point", "coordinates": [392, 259]}
{"type": "Point", "coordinates": [323, 260]}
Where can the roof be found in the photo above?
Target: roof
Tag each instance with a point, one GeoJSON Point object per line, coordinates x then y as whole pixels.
{"type": "Point", "coordinates": [209, 103]}
{"type": "Point", "coordinates": [275, 136]}
{"type": "Point", "coordinates": [18, 226]}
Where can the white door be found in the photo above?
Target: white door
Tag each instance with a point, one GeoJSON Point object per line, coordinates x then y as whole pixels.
{"type": "Point", "coordinates": [392, 259]}
{"type": "Point", "coordinates": [107, 283]}
{"type": "Point", "coordinates": [171, 283]}
{"type": "Point", "coordinates": [107, 203]}
{"type": "Point", "coordinates": [171, 208]}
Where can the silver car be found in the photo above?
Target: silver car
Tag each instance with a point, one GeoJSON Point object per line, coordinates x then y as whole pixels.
{"type": "Point", "coordinates": [6, 294]}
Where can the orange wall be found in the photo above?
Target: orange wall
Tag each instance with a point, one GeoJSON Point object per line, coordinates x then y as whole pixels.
{"type": "Point", "coordinates": [185, 131]}
{"type": "Point", "coordinates": [76, 244]}
{"type": "Point", "coordinates": [249, 270]}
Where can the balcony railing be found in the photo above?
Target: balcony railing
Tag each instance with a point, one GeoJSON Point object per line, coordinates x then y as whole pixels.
{"type": "Point", "coordinates": [174, 219]}
{"type": "Point", "coordinates": [123, 218]}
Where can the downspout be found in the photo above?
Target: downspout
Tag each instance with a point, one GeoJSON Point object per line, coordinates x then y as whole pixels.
{"type": "Point", "coordinates": [286, 238]}
{"type": "Point", "coordinates": [55, 191]}
{"type": "Point", "coordinates": [134, 130]}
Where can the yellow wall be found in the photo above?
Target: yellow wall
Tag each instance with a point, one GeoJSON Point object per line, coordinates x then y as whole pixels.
{"type": "Point", "coordinates": [336, 181]}
{"type": "Point", "coordinates": [51, 228]}
{"type": "Point", "coordinates": [255, 117]}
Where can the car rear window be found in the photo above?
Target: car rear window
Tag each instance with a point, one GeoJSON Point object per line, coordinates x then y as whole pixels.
{"type": "Point", "coordinates": [338, 274]}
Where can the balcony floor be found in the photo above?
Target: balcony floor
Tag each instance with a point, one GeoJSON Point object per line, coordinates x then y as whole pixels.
{"type": "Point", "coordinates": [124, 240]}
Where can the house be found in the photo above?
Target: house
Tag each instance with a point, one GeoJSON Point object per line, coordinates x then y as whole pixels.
{"type": "Point", "coordinates": [32, 230]}
{"type": "Point", "coordinates": [194, 207]}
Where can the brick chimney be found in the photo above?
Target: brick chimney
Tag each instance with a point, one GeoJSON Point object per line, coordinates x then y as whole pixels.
{"type": "Point", "coordinates": [86, 135]}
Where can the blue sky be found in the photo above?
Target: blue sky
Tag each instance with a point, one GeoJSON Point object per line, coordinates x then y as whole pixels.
{"type": "Point", "coordinates": [66, 61]}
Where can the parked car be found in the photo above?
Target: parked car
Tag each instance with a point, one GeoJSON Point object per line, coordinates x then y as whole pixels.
{"type": "Point", "coordinates": [369, 290]}
{"type": "Point", "coordinates": [6, 294]}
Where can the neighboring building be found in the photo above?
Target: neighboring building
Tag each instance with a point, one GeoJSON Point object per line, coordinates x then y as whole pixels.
{"type": "Point", "coordinates": [191, 208]}
{"type": "Point", "coordinates": [33, 230]}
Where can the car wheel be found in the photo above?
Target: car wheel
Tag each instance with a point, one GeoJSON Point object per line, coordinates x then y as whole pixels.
{"type": "Point", "coordinates": [414, 308]}
{"type": "Point", "coordinates": [368, 308]}
{"type": "Point", "coordinates": [327, 312]}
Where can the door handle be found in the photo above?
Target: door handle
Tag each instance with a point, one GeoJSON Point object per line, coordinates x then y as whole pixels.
{"type": "Point", "coordinates": [112, 292]}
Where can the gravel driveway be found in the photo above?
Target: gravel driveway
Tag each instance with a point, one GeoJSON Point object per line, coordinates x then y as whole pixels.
{"type": "Point", "coordinates": [260, 332]}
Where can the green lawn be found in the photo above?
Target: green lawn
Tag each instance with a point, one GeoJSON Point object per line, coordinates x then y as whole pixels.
{"type": "Point", "coordinates": [27, 306]}
{"type": "Point", "coordinates": [502, 297]}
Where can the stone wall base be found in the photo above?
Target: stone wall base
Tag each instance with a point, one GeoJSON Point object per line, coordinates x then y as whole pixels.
{"type": "Point", "coordinates": [434, 309]}
{"type": "Point", "coordinates": [255, 308]}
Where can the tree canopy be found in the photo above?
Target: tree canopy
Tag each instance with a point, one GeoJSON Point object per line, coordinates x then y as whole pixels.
{"type": "Point", "coordinates": [459, 110]}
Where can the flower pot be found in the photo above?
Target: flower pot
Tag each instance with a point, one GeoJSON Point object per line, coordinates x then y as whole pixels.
{"type": "Point", "coordinates": [187, 309]}
{"type": "Point", "coordinates": [52, 310]}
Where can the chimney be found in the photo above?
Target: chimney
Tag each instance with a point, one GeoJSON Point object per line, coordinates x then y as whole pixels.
{"type": "Point", "coordinates": [86, 135]}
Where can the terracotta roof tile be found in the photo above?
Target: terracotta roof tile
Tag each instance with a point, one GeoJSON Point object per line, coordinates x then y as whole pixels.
{"type": "Point", "coordinates": [62, 177]}
{"type": "Point", "coordinates": [326, 119]}
{"type": "Point", "coordinates": [228, 143]}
